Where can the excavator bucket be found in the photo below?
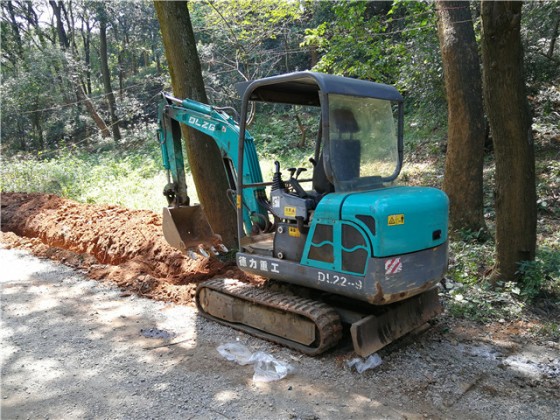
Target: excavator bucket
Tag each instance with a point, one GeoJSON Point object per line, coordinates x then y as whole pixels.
{"type": "Point", "coordinates": [187, 229]}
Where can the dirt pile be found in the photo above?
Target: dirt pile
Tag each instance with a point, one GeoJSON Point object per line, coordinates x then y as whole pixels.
{"type": "Point", "coordinates": [109, 242]}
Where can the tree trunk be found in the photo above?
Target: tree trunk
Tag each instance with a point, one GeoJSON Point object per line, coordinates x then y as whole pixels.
{"type": "Point", "coordinates": [158, 63]}
{"type": "Point", "coordinates": [510, 124]}
{"type": "Point", "coordinates": [83, 99]}
{"type": "Point", "coordinates": [69, 22]}
{"type": "Point", "coordinates": [206, 163]}
{"type": "Point", "coordinates": [155, 54]}
{"type": "Point", "coordinates": [120, 58]}
{"type": "Point", "coordinates": [86, 37]}
{"type": "Point", "coordinates": [15, 28]}
{"type": "Point", "coordinates": [80, 94]}
{"type": "Point", "coordinates": [107, 74]}
{"type": "Point", "coordinates": [33, 20]}
{"type": "Point", "coordinates": [36, 122]}
{"type": "Point", "coordinates": [465, 143]}
{"type": "Point", "coordinates": [57, 10]}
{"type": "Point", "coordinates": [550, 52]}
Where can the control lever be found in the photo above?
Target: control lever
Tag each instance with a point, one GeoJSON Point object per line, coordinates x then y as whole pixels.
{"type": "Point", "coordinates": [299, 171]}
{"type": "Point", "coordinates": [277, 183]}
{"type": "Point", "coordinates": [292, 171]}
{"type": "Point", "coordinates": [297, 188]}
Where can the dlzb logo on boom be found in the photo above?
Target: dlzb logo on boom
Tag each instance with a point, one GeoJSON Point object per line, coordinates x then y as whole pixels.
{"type": "Point", "coordinates": [202, 124]}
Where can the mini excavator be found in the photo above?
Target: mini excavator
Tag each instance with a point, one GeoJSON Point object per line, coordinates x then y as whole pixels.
{"type": "Point", "coordinates": [347, 245]}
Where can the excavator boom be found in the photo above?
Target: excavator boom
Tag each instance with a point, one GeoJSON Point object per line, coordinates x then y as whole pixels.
{"type": "Point", "coordinates": [185, 226]}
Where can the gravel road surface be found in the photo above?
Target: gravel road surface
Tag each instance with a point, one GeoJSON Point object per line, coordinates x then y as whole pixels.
{"type": "Point", "coordinates": [76, 348]}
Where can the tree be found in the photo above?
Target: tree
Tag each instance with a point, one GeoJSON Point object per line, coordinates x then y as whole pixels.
{"type": "Point", "coordinates": [466, 129]}
{"type": "Point", "coordinates": [103, 56]}
{"type": "Point", "coordinates": [85, 30]}
{"type": "Point", "coordinates": [58, 8]}
{"type": "Point", "coordinates": [247, 40]}
{"type": "Point", "coordinates": [510, 124]}
{"type": "Point", "coordinates": [396, 45]}
{"type": "Point", "coordinates": [15, 27]}
{"type": "Point", "coordinates": [205, 161]}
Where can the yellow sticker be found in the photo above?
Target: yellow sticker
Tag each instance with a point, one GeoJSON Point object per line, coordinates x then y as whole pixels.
{"type": "Point", "coordinates": [395, 219]}
{"type": "Point", "coordinates": [290, 211]}
{"type": "Point", "coordinates": [294, 231]}
{"type": "Point", "coordinates": [238, 201]}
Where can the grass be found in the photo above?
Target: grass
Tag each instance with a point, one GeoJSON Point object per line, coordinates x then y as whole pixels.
{"type": "Point", "coordinates": [129, 174]}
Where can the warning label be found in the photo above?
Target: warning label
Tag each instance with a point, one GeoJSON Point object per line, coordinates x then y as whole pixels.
{"type": "Point", "coordinates": [395, 219]}
{"type": "Point", "coordinates": [393, 266]}
{"type": "Point", "coordinates": [290, 211]}
{"type": "Point", "coordinates": [294, 231]}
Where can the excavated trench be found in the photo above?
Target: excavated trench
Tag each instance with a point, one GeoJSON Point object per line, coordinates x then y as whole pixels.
{"type": "Point", "coordinates": [108, 242]}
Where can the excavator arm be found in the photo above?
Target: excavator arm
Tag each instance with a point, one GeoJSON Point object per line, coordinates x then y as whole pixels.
{"type": "Point", "coordinates": [224, 131]}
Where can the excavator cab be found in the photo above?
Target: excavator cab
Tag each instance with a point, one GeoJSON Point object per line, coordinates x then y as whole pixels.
{"type": "Point", "coordinates": [359, 148]}
{"type": "Point", "coordinates": [361, 131]}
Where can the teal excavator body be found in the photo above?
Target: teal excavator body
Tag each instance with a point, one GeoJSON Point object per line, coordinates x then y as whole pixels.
{"type": "Point", "coordinates": [347, 231]}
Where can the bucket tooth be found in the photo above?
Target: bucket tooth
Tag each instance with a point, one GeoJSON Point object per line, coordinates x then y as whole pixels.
{"type": "Point", "coordinates": [203, 252]}
{"type": "Point", "coordinates": [191, 254]}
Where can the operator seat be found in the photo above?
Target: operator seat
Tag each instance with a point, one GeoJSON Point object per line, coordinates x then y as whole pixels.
{"type": "Point", "coordinates": [320, 182]}
{"type": "Point", "coordinates": [345, 149]}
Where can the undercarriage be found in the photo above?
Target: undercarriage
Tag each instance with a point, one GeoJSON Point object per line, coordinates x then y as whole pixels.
{"type": "Point", "coordinates": [312, 325]}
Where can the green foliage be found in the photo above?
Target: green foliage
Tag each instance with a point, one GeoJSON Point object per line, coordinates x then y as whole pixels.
{"type": "Point", "coordinates": [482, 304]}
{"type": "Point", "coordinates": [278, 138]}
{"type": "Point", "coordinates": [537, 29]}
{"type": "Point", "coordinates": [472, 297]}
{"type": "Point", "coordinates": [548, 187]}
{"type": "Point", "coordinates": [243, 40]}
{"type": "Point", "coordinates": [541, 275]}
{"type": "Point", "coordinates": [396, 45]}
{"type": "Point", "coordinates": [27, 117]}
{"type": "Point", "coordinates": [277, 132]}
{"type": "Point", "coordinates": [39, 109]}
{"type": "Point", "coordinates": [351, 47]}
{"type": "Point", "coordinates": [130, 175]}
{"type": "Point", "coordinates": [549, 329]}
{"type": "Point", "coordinates": [470, 258]}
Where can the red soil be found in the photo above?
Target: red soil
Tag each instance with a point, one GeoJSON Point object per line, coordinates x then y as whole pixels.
{"type": "Point", "coordinates": [108, 242]}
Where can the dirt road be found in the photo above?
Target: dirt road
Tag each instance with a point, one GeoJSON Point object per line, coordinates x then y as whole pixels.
{"type": "Point", "coordinates": [76, 348]}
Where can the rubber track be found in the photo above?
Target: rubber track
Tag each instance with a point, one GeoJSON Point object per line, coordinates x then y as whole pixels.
{"type": "Point", "coordinates": [326, 319]}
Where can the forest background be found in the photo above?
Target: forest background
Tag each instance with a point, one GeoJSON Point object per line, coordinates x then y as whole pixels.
{"type": "Point", "coordinates": [81, 82]}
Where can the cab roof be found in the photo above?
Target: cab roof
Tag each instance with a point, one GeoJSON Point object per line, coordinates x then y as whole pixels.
{"type": "Point", "coordinates": [302, 88]}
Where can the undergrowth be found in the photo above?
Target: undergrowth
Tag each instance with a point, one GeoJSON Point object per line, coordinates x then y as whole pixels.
{"type": "Point", "coordinates": [470, 295]}
{"type": "Point", "coordinates": [128, 174]}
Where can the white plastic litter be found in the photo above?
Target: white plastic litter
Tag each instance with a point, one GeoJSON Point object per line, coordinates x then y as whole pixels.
{"type": "Point", "coordinates": [362, 365]}
{"type": "Point", "coordinates": [236, 352]}
{"type": "Point", "coordinates": [267, 367]}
